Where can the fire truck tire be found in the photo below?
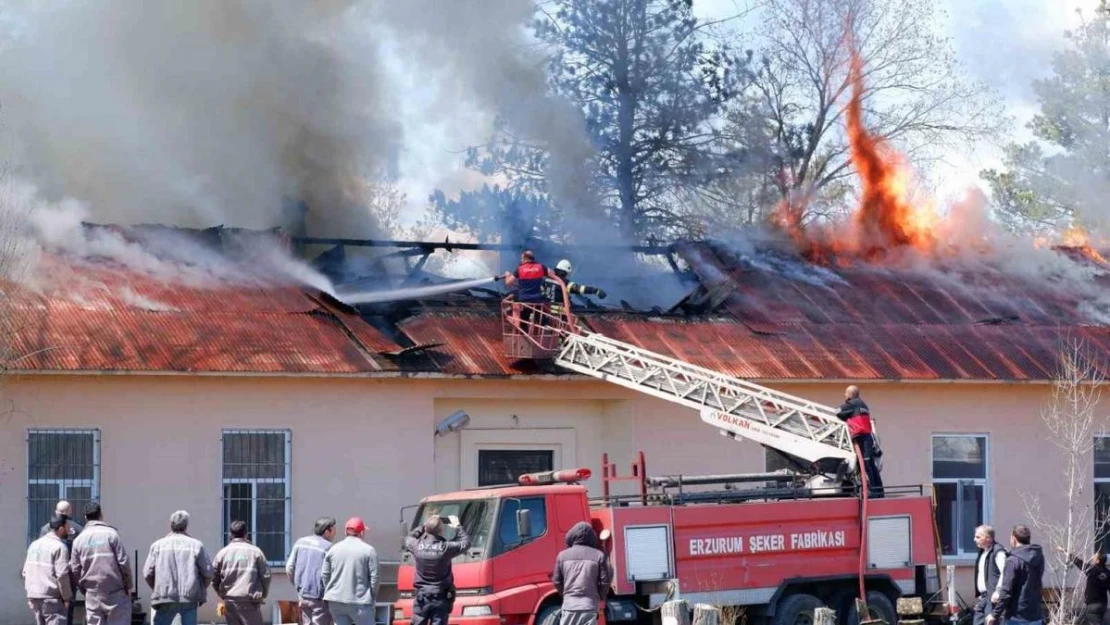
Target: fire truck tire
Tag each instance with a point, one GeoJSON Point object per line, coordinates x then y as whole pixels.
{"type": "Point", "coordinates": [549, 615]}
{"type": "Point", "coordinates": [880, 605]}
{"type": "Point", "coordinates": [796, 610]}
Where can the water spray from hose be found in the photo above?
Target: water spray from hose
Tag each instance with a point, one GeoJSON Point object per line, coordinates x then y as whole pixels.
{"type": "Point", "coordinates": [417, 292]}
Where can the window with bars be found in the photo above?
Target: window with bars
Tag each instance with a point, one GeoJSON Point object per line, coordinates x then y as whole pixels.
{"type": "Point", "coordinates": [961, 486]}
{"type": "Point", "coordinates": [504, 466]}
{"type": "Point", "coordinates": [61, 465]}
{"type": "Point", "coordinates": [1102, 492]}
{"type": "Point", "coordinates": [256, 470]}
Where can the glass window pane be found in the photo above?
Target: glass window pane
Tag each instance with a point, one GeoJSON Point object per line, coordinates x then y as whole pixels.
{"type": "Point", "coordinates": [504, 466]}
{"type": "Point", "coordinates": [507, 536]}
{"type": "Point", "coordinates": [254, 455]}
{"type": "Point", "coordinates": [972, 504]}
{"type": "Point", "coordinates": [60, 455]}
{"type": "Point", "coordinates": [270, 533]}
{"type": "Point", "coordinates": [238, 506]}
{"type": "Point", "coordinates": [1102, 515]}
{"type": "Point", "coordinates": [959, 457]}
{"type": "Point", "coordinates": [947, 515]}
{"type": "Point", "coordinates": [78, 497]}
{"type": "Point", "coordinates": [40, 506]}
{"type": "Point", "coordinates": [1102, 457]}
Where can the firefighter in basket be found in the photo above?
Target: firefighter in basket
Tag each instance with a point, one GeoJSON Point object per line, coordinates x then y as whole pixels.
{"type": "Point", "coordinates": [553, 291]}
{"type": "Point", "coordinates": [529, 279]}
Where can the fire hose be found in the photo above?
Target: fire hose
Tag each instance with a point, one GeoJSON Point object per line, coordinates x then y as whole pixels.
{"type": "Point", "coordinates": [861, 604]}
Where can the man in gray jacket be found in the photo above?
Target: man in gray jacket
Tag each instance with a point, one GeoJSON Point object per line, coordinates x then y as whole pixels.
{"type": "Point", "coordinates": [64, 509]}
{"type": "Point", "coordinates": [178, 571]}
{"type": "Point", "coordinates": [241, 578]}
{"type": "Point", "coordinates": [582, 576]}
{"type": "Point", "coordinates": [303, 568]}
{"type": "Point", "coordinates": [349, 575]}
{"type": "Point", "coordinates": [99, 562]}
{"type": "Point", "coordinates": [46, 575]}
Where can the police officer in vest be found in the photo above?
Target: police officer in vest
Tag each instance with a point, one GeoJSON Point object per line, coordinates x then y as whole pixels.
{"type": "Point", "coordinates": [434, 583]}
{"type": "Point", "coordinates": [988, 572]}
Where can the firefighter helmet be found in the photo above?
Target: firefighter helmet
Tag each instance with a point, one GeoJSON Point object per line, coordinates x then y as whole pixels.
{"type": "Point", "coordinates": [564, 267]}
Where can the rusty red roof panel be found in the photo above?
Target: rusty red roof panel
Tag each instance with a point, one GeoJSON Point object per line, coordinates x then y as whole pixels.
{"type": "Point", "coordinates": [471, 343]}
{"type": "Point", "coordinates": [472, 346]}
{"type": "Point", "coordinates": [104, 318]}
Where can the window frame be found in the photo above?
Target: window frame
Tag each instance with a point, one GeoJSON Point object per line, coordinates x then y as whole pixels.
{"type": "Point", "coordinates": [286, 480]}
{"type": "Point", "coordinates": [496, 548]}
{"type": "Point", "coordinates": [62, 485]}
{"type": "Point", "coordinates": [984, 481]}
{"type": "Point", "coordinates": [548, 449]}
{"type": "Point", "coordinates": [1104, 540]}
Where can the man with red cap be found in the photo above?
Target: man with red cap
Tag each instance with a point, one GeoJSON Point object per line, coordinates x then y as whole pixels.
{"type": "Point", "coordinates": [349, 576]}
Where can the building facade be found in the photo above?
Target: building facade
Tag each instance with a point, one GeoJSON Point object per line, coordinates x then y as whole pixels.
{"type": "Point", "coordinates": [282, 451]}
{"type": "Point", "coordinates": [277, 404]}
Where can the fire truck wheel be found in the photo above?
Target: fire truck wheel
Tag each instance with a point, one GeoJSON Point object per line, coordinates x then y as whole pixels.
{"type": "Point", "coordinates": [796, 610]}
{"type": "Point", "coordinates": [880, 606]}
{"type": "Point", "coordinates": [548, 615]}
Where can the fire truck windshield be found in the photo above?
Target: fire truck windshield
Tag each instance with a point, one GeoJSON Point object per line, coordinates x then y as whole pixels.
{"type": "Point", "coordinates": [476, 515]}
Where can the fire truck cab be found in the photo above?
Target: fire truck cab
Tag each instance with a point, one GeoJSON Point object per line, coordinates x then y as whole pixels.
{"type": "Point", "coordinates": [778, 558]}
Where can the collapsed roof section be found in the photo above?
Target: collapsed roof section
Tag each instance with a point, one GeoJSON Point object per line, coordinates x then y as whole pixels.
{"type": "Point", "coordinates": [755, 314]}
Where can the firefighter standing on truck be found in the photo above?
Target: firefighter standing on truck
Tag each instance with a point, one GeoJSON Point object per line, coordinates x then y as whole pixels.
{"type": "Point", "coordinates": [858, 417]}
{"type": "Point", "coordinates": [433, 582]}
{"type": "Point", "coordinates": [553, 292]}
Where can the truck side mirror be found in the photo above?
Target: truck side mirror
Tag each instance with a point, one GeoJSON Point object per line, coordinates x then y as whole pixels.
{"type": "Point", "coordinates": [524, 523]}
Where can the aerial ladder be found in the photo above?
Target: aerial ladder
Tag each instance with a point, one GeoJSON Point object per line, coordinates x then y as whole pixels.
{"type": "Point", "coordinates": [805, 430]}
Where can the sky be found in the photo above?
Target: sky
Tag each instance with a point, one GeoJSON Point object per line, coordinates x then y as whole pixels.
{"type": "Point", "coordinates": [1007, 44]}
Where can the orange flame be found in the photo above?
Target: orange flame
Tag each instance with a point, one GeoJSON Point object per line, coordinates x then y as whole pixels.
{"type": "Point", "coordinates": [885, 218]}
{"type": "Point", "coordinates": [1076, 238]}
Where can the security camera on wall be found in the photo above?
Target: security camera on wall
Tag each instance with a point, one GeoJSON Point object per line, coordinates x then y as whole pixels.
{"type": "Point", "coordinates": [453, 423]}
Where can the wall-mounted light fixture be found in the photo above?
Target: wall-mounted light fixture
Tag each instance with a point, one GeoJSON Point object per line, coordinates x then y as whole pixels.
{"type": "Point", "coordinates": [452, 423]}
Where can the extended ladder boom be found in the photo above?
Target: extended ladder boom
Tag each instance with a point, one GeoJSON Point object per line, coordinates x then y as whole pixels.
{"type": "Point", "coordinates": [778, 420]}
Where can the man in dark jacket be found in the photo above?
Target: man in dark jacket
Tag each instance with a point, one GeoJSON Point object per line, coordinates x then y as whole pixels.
{"type": "Point", "coordinates": [1097, 585]}
{"type": "Point", "coordinates": [1019, 597]}
{"type": "Point", "coordinates": [433, 582]}
{"type": "Point", "coordinates": [988, 572]}
{"type": "Point", "coordinates": [581, 576]}
{"type": "Point", "coordinates": [857, 415]}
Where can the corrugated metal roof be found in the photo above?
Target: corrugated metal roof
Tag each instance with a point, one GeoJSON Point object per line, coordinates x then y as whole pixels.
{"type": "Point", "coordinates": [783, 320]}
{"type": "Point", "coordinates": [471, 344]}
{"type": "Point", "coordinates": [96, 317]}
{"type": "Point", "coordinates": [790, 320]}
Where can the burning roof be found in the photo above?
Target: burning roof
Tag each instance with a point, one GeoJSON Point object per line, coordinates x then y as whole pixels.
{"type": "Point", "coordinates": [107, 318]}
{"type": "Point", "coordinates": [773, 316]}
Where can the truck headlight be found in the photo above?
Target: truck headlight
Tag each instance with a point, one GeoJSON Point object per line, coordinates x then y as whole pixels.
{"type": "Point", "coordinates": [398, 614]}
{"type": "Point", "coordinates": [477, 610]}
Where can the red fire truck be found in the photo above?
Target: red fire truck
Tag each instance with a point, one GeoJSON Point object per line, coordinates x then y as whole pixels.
{"type": "Point", "coordinates": [779, 551]}
{"type": "Point", "coordinates": [778, 545]}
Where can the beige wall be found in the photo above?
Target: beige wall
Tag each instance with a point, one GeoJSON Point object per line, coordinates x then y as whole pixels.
{"type": "Point", "coordinates": [365, 446]}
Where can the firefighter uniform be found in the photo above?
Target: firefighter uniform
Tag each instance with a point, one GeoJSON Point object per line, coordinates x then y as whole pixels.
{"type": "Point", "coordinates": [434, 583]}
